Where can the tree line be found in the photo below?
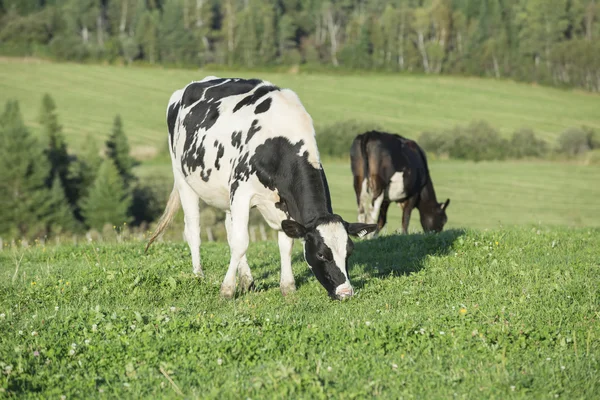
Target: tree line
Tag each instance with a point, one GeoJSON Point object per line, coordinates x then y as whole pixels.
{"type": "Point", "coordinates": [45, 190]}
{"type": "Point", "coordinates": [552, 42]}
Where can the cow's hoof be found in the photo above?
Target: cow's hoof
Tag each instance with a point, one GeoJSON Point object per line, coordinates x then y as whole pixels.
{"type": "Point", "coordinates": [246, 284]}
{"type": "Point", "coordinates": [227, 292]}
{"type": "Point", "coordinates": [288, 288]}
{"type": "Point", "coordinates": [199, 273]}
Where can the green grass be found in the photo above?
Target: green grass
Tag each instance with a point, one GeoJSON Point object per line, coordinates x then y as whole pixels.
{"type": "Point", "coordinates": [89, 96]}
{"type": "Point", "coordinates": [503, 314]}
{"type": "Point", "coordinates": [482, 195]}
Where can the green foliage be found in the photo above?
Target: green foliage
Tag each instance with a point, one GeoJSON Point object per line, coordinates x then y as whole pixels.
{"type": "Point", "coordinates": [85, 168]}
{"type": "Point", "coordinates": [60, 213]}
{"type": "Point", "coordinates": [334, 140]}
{"type": "Point", "coordinates": [507, 313]}
{"type": "Point", "coordinates": [574, 142]}
{"type": "Point", "coordinates": [477, 141]}
{"type": "Point", "coordinates": [117, 149]}
{"type": "Point", "coordinates": [23, 172]}
{"type": "Point", "coordinates": [546, 41]}
{"type": "Point", "coordinates": [524, 144]}
{"type": "Point", "coordinates": [56, 148]}
{"type": "Point", "coordinates": [109, 200]}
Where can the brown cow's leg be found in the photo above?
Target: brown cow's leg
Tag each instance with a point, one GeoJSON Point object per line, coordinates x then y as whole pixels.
{"type": "Point", "coordinates": [383, 215]}
{"type": "Point", "coordinates": [360, 189]}
{"type": "Point", "coordinates": [407, 208]}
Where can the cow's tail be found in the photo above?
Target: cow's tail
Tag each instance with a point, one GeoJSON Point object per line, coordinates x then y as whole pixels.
{"type": "Point", "coordinates": [164, 221]}
{"type": "Point", "coordinates": [363, 149]}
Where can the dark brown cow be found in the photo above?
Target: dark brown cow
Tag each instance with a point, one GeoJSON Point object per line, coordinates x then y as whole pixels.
{"type": "Point", "coordinates": [390, 168]}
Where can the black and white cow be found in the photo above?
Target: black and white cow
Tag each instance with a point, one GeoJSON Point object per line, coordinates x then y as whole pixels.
{"type": "Point", "coordinates": [238, 144]}
{"type": "Point", "coordinates": [390, 168]}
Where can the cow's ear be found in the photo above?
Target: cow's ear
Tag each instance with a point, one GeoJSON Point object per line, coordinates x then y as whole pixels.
{"type": "Point", "coordinates": [359, 229]}
{"type": "Point", "coordinates": [445, 205]}
{"type": "Point", "coordinates": [293, 229]}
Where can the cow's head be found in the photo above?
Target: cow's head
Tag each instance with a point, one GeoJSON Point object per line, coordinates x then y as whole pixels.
{"type": "Point", "coordinates": [327, 248]}
{"type": "Point", "coordinates": [434, 220]}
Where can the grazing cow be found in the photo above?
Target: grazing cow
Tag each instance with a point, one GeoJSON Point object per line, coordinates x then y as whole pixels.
{"type": "Point", "coordinates": [238, 144]}
{"type": "Point", "coordinates": [389, 168]}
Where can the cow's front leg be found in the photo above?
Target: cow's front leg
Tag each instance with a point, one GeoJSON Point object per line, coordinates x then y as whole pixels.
{"type": "Point", "coordinates": [286, 283]}
{"type": "Point", "coordinates": [238, 241]}
{"type": "Point", "coordinates": [245, 275]}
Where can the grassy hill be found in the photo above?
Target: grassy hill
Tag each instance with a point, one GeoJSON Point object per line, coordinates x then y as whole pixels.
{"type": "Point", "coordinates": [511, 313]}
{"type": "Point", "coordinates": [89, 96]}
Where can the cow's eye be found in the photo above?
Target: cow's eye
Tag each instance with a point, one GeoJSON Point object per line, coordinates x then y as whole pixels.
{"type": "Point", "coordinates": [321, 257]}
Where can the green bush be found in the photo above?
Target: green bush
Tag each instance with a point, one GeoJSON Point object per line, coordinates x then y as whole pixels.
{"type": "Point", "coordinates": [334, 140]}
{"type": "Point", "coordinates": [574, 142]}
{"type": "Point", "coordinates": [479, 141]}
{"type": "Point", "coordinates": [433, 142]}
{"type": "Point", "coordinates": [524, 144]}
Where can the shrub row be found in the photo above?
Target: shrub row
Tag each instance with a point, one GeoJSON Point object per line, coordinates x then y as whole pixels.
{"type": "Point", "coordinates": [477, 141]}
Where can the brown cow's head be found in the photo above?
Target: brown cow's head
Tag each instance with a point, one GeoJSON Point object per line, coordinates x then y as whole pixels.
{"type": "Point", "coordinates": [435, 219]}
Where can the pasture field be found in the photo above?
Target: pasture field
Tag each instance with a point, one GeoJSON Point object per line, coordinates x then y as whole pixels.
{"type": "Point", "coordinates": [509, 313]}
{"type": "Point", "coordinates": [483, 195]}
{"type": "Point", "coordinates": [89, 96]}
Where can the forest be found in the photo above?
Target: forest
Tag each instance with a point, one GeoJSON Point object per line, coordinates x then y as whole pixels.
{"type": "Point", "coordinates": [550, 42]}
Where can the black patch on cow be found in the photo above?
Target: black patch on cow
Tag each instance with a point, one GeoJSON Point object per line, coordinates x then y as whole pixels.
{"type": "Point", "coordinates": [205, 176]}
{"type": "Point", "coordinates": [172, 113]}
{"type": "Point", "coordinates": [220, 152]}
{"type": "Point", "coordinates": [193, 157]}
{"type": "Point", "coordinates": [254, 97]}
{"type": "Point", "coordinates": [216, 143]}
{"type": "Point", "coordinates": [253, 129]}
{"type": "Point", "coordinates": [263, 107]}
{"type": "Point", "coordinates": [301, 186]}
{"type": "Point", "coordinates": [205, 99]}
{"type": "Point", "coordinates": [236, 139]}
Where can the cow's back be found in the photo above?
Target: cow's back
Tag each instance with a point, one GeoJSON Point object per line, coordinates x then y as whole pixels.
{"type": "Point", "coordinates": [219, 123]}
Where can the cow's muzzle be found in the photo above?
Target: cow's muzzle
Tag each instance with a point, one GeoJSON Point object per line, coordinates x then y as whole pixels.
{"type": "Point", "coordinates": [343, 291]}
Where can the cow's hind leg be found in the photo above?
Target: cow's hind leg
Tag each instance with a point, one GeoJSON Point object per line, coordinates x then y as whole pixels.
{"type": "Point", "coordinates": [238, 239]}
{"type": "Point", "coordinates": [382, 216]}
{"type": "Point", "coordinates": [189, 203]}
{"type": "Point", "coordinates": [377, 191]}
{"type": "Point", "coordinates": [286, 283]}
{"type": "Point", "coordinates": [362, 197]}
{"type": "Point", "coordinates": [244, 273]}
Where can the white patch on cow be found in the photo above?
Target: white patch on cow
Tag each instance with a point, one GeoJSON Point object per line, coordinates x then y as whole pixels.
{"type": "Point", "coordinates": [175, 97]}
{"type": "Point", "coordinates": [395, 188]}
{"type": "Point", "coordinates": [336, 238]}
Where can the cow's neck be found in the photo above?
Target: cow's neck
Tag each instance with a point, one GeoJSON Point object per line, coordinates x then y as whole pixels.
{"type": "Point", "coordinates": [307, 196]}
{"type": "Point", "coordinates": [427, 198]}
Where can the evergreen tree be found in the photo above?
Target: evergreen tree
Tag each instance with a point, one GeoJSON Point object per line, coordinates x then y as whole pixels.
{"type": "Point", "coordinates": [85, 169]}
{"type": "Point", "coordinates": [59, 213]}
{"type": "Point", "coordinates": [118, 150]}
{"type": "Point", "coordinates": [108, 201]}
{"type": "Point", "coordinates": [23, 172]}
{"type": "Point", "coordinates": [56, 148]}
